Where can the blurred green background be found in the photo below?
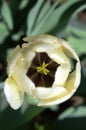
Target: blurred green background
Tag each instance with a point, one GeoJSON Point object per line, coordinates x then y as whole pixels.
{"type": "Point", "coordinates": [62, 18]}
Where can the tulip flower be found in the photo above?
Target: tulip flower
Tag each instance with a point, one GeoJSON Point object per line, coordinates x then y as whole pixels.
{"type": "Point", "coordinates": [42, 68]}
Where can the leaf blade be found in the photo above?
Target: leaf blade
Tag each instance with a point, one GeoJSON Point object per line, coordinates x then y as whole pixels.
{"type": "Point", "coordinates": [7, 15]}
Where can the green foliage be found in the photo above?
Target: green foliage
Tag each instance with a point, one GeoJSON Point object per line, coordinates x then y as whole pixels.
{"type": "Point", "coordinates": [76, 32]}
{"type": "Point", "coordinates": [17, 118]}
{"type": "Point", "coordinates": [31, 17]}
{"type": "Point", "coordinates": [7, 15]}
{"type": "Point", "coordinates": [72, 118]}
{"type": "Point", "coordinates": [72, 112]}
{"type": "Point", "coordinates": [23, 4]}
{"type": "Point", "coordinates": [50, 16]}
{"type": "Point", "coordinates": [3, 30]}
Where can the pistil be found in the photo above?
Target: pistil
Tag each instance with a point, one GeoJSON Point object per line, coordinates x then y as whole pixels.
{"type": "Point", "coordinates": [42, 69]}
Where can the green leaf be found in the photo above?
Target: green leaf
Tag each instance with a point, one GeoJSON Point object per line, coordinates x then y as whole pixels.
{"type": "Point", "coordinates": [78, 44]}
{"type": "Point", "coordinates": [23, 4]}
{"type": "Point", "coordinates": [76, 26]}
{"type": "Point", "coordinates": [60, 29]}
{"type": "Point", "coordinates": [6, 14]}
{"type": "Point", "coordinates": [3, 32]}
{"type": "Point", "coordinates": [38, 26]}
{"type": "Point", "coordinates": [80, 112]}
{"type": "Point", "coordinates": [69, 119]}
{"type": "Point", "coordinates": [9, 52]}
{"type": "Point", "coordinates": [43, 11]}
{"type": "Point", "coordinates": [18, 35]}
{"type": "Point", "coordinates": [3, 102]}
{"type": "Point", "coordinates": [73, 112]}
{"type": "Point", "coordinates": [32, 16]}
{"type": "Point", "coordinates": [11, 119]}
{"type": "Point", "coordinates": [67, 113]}
{"type": "Point", "coordinates": [76, 32]}
{"type": "Point", "coordinates": [51, 19]}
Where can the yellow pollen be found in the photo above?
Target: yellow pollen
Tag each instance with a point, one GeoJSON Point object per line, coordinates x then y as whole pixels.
{"type": "Point", "coordinates": [42, 69]}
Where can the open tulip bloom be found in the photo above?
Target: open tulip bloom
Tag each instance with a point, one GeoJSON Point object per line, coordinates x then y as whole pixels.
{"type": "Point", "coordinates": [42, 69]}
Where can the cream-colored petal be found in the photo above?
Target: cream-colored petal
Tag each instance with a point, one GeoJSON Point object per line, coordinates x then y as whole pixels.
{"type": "Point", "coordinates": [22, 80]}
{"type": "Point", "coordinates": [12, 60]}
{"type": "Point", "coordinates": [73, 80]}
{"type": "Point", "coordinates": [58, 55]}
{"type": "Point", "coordinates": [38, 46]}
{"type": "Point", "coordinates": [68, 50]}
{"type": "Point", "coordinates": [46, 93]}
{"type": "Point", "coordinates": [61, 74]}
{"type": "Point", "coordinates": [45, 38]}
{"type": "Point", "coordinates": [26, 58]}
{"type": "Point", "coordinates": [56, 100]}
{"type": "Point", "coordinates": [13, 93]}
{"type": "Point", "coordinates": [63, 70]}
{"type": "Point", "coordinates": [78, 74]}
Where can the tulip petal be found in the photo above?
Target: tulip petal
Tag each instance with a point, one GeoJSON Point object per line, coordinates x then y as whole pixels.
{"type": "Point", "coordinates": [13, 94]}
{"type": "Point", "coordinates": [68, 50]}
{"type": "Point", "coordinates": [61, 74]}
{"type": "Point", "coordinates": [63, 70]}
{"type": "Point", "coordinates": [46, 93]}
{"type": "Point", "coordinates": [73, 80]}
{"type": "Point", "coordinates": [56, 100]}
{"type": "Point", "coordinates": [39, 46]}
{"type": "Point", "coordinates": [58, 55]}
{"type": "Point", "coordinates": [22, 80]}
{"type": "Point", "coordinates": [12, 60]}
{"type": "Point", "coordinates": [45, 38]}
{"type": "Point", "coordinates": [27, 57]}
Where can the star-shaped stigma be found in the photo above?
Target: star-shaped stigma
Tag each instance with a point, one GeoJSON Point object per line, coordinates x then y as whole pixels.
{"type": "Point", "coordinates": [42, 70]}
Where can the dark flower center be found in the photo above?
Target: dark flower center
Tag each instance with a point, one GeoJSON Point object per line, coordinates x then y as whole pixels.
{"type": "Point", "coordinates": [42, 70]}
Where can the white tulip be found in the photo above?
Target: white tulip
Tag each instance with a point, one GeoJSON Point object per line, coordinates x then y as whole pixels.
{"type": "Point", "coordinates": [42, 69]}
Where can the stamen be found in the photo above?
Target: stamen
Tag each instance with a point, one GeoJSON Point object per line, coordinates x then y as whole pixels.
{"type": "Point", "coordinates": [42, 69]}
